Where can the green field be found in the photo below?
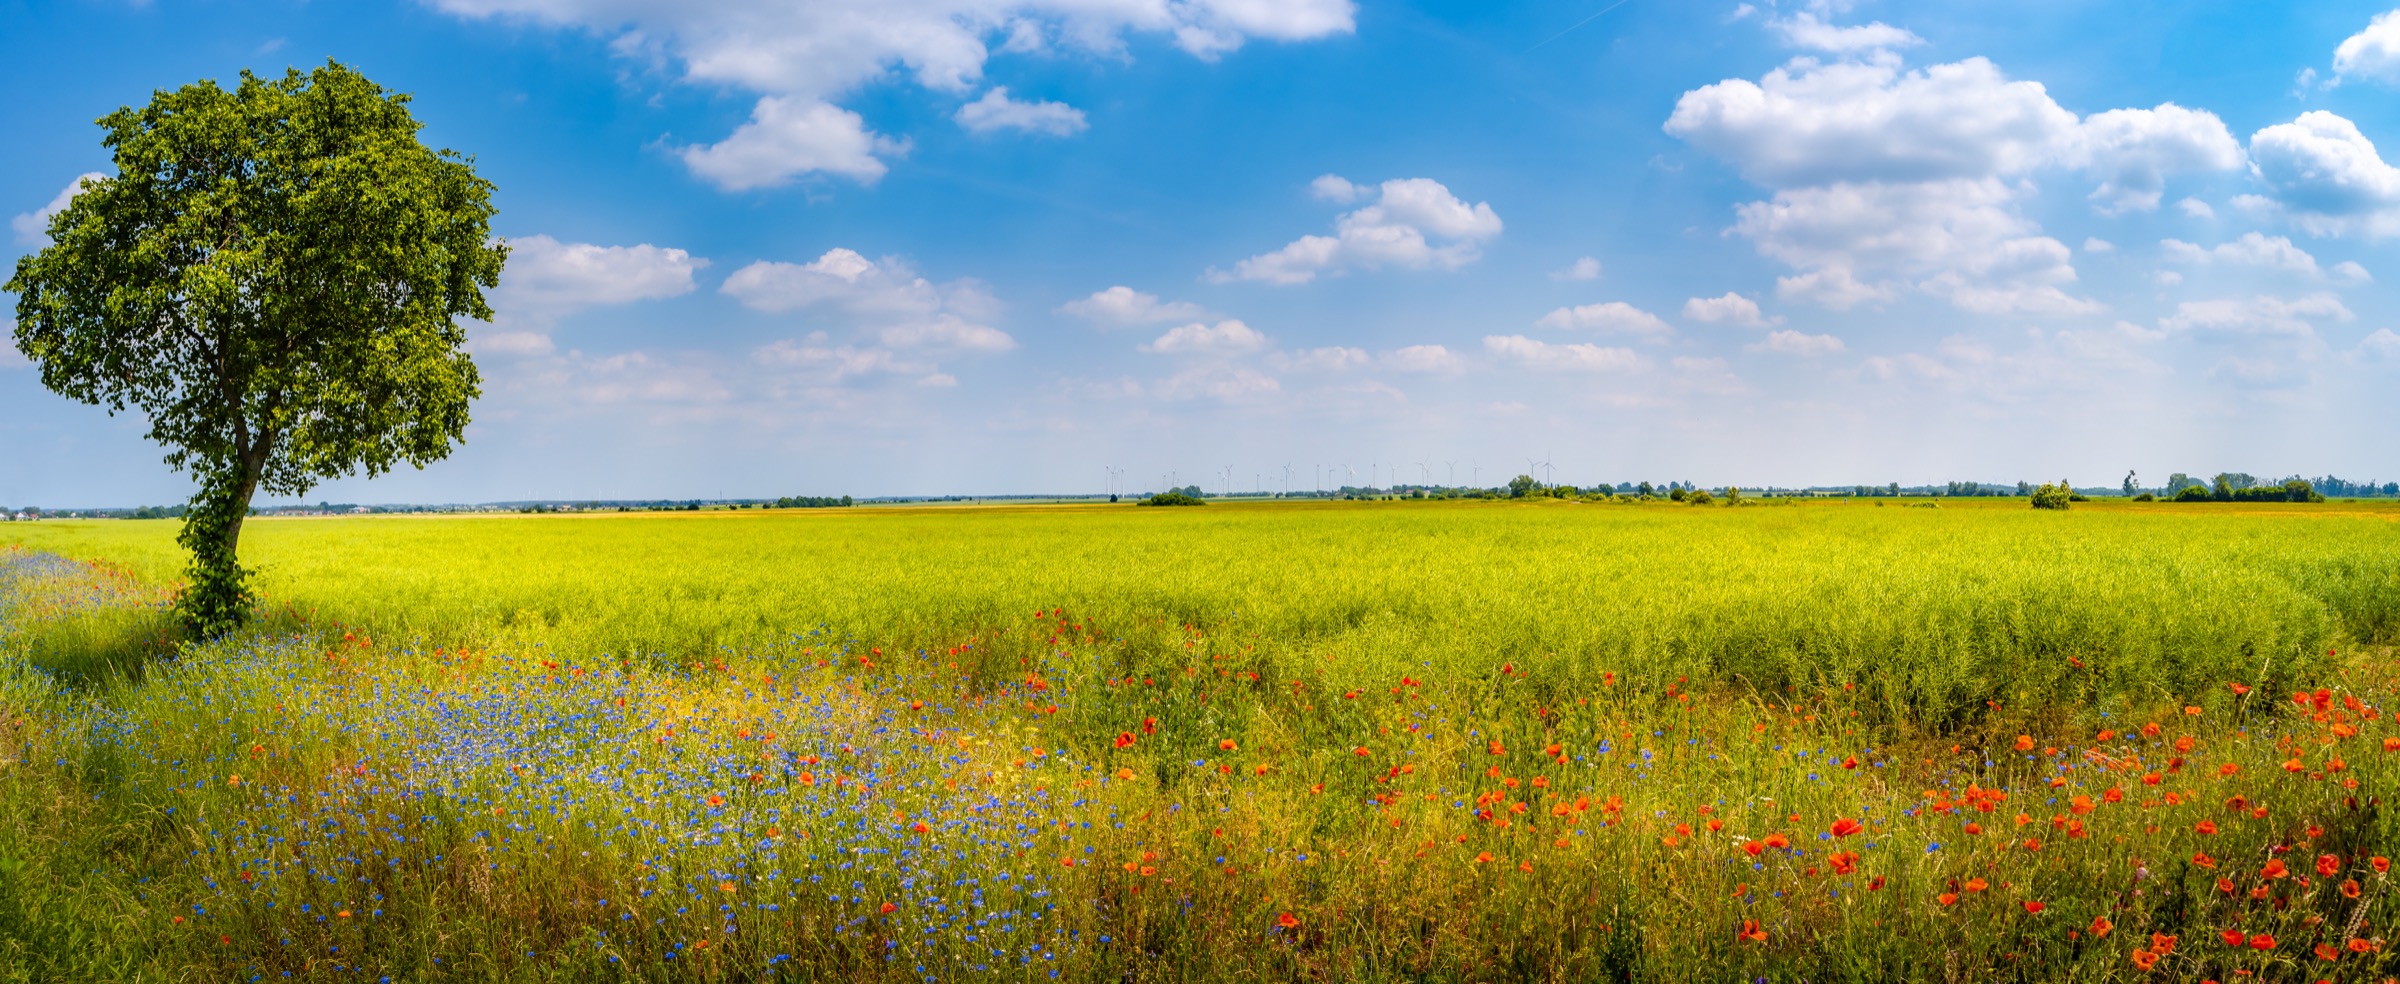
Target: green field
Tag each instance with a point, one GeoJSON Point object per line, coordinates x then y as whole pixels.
{"type": "Point", "coordinates": [1382, 741]}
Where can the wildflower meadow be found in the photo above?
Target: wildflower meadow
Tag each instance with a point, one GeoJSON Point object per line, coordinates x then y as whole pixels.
{"type": "Point", "coordinates": [1354, 742]}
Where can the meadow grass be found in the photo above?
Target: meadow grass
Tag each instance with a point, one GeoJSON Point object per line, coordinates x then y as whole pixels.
{"type": "Point", "coordinates": [1380, 742]}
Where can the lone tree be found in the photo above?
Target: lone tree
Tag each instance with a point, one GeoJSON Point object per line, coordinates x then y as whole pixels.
{"type": "Point", "coordinates": [274, 277]}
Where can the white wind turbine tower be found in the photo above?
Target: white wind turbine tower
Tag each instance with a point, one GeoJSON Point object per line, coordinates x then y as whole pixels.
{"type": "Point", "coordinates": [1452, 479]}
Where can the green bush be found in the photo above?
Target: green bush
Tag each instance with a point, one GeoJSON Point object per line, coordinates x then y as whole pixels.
{"type": "Point", "coordinates": [1172, 499]}
{"type": "Point", "coordinates": [2194, 493]}
{"type": "Point", "coordinates": [2058, 496]}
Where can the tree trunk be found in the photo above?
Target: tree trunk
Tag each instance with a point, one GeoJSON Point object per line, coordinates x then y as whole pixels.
{"type": "Point", "coordinates": [215, 599]}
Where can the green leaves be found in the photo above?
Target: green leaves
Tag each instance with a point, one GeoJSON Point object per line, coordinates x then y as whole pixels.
{"type": "Point", "coordinates": [273, 277]}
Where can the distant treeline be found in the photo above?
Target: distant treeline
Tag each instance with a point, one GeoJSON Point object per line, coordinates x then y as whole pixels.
{"type": "Point", "coordinates": [811, 502]}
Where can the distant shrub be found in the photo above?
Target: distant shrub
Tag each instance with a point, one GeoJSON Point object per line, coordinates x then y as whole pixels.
{"type": "Point", "coordinates": [2194, 493]}
{"type": "Point", "coordinates": [2053, 496]}
{"type": "Point", "coordinates": [2145, 497]}
{"type": "Point", "coordinates": [1172, 499]}
{"type": "Point", "coordinates": [1921, 505]}
{"type": "Point", "coordinates": [1700, 497]}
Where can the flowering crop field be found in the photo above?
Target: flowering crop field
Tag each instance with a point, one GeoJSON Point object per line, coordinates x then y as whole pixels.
{"type": "Point", "coordinates": [1375, 741]}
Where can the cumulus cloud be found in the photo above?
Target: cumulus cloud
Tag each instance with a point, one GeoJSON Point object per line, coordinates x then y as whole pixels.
{"type": "Point", "coordinates": [33, 228]}
{"type": "Point", "coordinates": [789, 137]}
{"type": "Point", "coordinates": [1576, 357]}
{"type": "Point", "coordinates": [2260, 316]}
{"type": "Point", "coordinates": [2195, 208]}
{"type": "Point", "coordinates": [1614, 317]}
{"type": "Point", "coordinates": [2373, 53]}
{"type": "Point", "coordinates": [1961, 240]}
{"type": "Point", "coordinates": [1731, 309]}
{"type": "Point", "coordinates": [885, 298]}
{"type": "Point", "coordinates": [2095, 244]}
{"type": "Point", "coordinates": [1584, 268]}
{"type": "Point", "coordinates": [1787, 342]}
{"type": "Point", "coordinates": [2134, 150]}
{"type": "Point", "coordinates": [1229, 337]}
{"type": "Point", "coordinates": [1336, 189]}
{"type": "Point", "coordinates": [546, 280]}
{"type": "Point", "coordinates": [996, 111]}
{"type": "Point", "coordinates": [799, 57]}
{"type": "Point", "coordinates": [1409, 217]}
{"type": "Point", "coordinates": [1888, 180]}
{"type": "Point", "coordinates": [2251, 250]}
{"type": "Point", "coordinates": [546, 275]}
{"type": "Point", "coordinates": [1120, 307]}
{"type": "Point", "coordinates": [2327, 177]}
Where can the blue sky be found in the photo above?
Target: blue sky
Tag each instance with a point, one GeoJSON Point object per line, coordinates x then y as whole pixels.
{"type": "Point", "coordinates": [954, 246]}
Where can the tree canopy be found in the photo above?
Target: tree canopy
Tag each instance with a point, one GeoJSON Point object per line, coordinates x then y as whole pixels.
{"type": "Point", "coordinates": [274, 277]}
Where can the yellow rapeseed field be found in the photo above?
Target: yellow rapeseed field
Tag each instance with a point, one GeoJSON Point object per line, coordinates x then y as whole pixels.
{"type": "Point", "coordinates": [1375, 741]}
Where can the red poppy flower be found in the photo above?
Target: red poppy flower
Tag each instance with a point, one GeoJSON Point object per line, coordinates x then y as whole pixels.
{"type": "Point", "coordinates": [2233, 937]}
{"type": "Point", "coordinates": [2145, 959]}
{"type": "Point", "coordinates": [1845, 826]}
{"type": "Point", "coordinates": [1287, 921]}
{"type": "Point", "coordinates": [1751, 932]}
{"type": "Point", "coordinates": [887, 908]}
{"type": "Point", "coordinates": [2262, 942]}
{"type": "Point", "coordinates": [1124, 739]}
{"type": "Point", "coordinates": [2327, 864]}
{"type": "Point", "coordinates": [2032, 907]}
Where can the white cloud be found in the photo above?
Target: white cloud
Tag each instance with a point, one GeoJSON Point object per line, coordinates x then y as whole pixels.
{"type": "Point", "coordinates": [787, 138]}
{"type": "Point", "coordinates": [1959, 240]}
{"type": "Point", "coordinates": [799, 57]}
{"type": "Point", "coordinates": [1422, 358]}
{"type": "Point", "coordinates": [2196, 208]}
{"type": "Point", "coordinates": [2349, 271]}
{"type": "Point", "coordinates": [1807, 30]}
{"type": "Point", "coordinates": [2251, 250]}
{"type": "Point", "coordinates": [544, 275]}
{"type": "Point", "coordinates": [885, 297]}
{"type": "Point", "coordinates": [2255, 316]}
{"type": "Point", "coordinates": [2382, 346]}
{"type": "Point", "coordinates": [2166, 278]}
{"type": "Point", "coordinates": [2133, 151]}
{"type": "Point", "coordinates": [1787, 342]}
{"type": "Point", "coordinates": [546, 280]}
{"type": "Point", "coordinates": [996, 111]}
{"type": "Point", "coordinates": [1398, 230]}
{"type": "Point", "coordinates": [1328, 359]}
{"type": "Point", "coordinates": [2094, 244]}
{"type": "Point", "coordinates": [1614, 317]}
{"type": "Point", "coordinates": [1888, 180]}
{"type": "Point", "coordinates": [2373, 53]}
{"type": "Point", "coordinates": [1578, 357]}
{"type": "Point", "coordinates": [1124, 306]}
{"type": "Point", "coordinates": [1336, 189]}
{"type": "Point", "coordinates": [2327, 177]}
{"type": "Point", "coordinates": [1731, 309]}
{"type": "Point", "coordinates": [1813, 124]}
{"type": "Point", "coordinates": [1584, 268]}
{"type": "Point", "coordinates": [1229, 337]}
{"type": "Point", "coordinates": [33, 228]}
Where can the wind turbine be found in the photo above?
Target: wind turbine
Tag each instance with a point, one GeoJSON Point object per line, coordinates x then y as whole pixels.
{"type": "Point", "coordinates": [1424, 475]}
{"type": "Point", "coordinates": [1452, 479]}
